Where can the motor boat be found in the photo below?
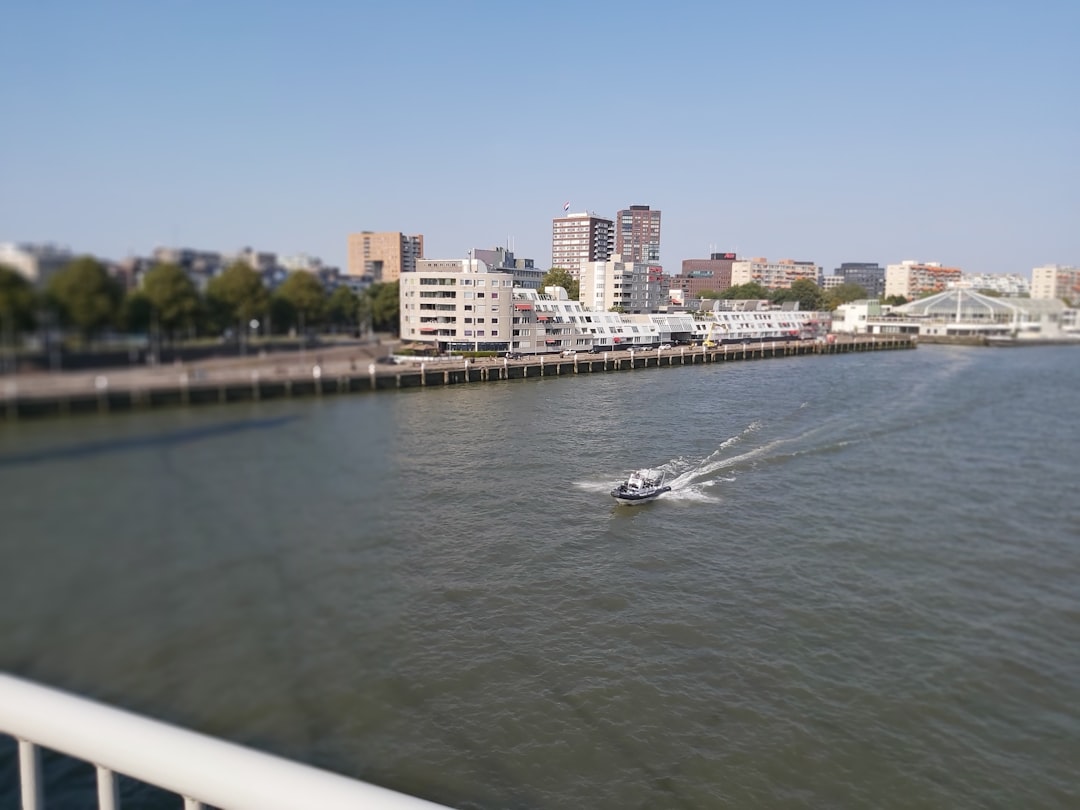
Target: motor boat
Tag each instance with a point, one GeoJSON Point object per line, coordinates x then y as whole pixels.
{"type": "Point", "coordinates": [640, 486]}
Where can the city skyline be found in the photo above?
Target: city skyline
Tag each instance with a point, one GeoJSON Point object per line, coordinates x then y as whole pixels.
{"type": "Point", "coordinates": [830, 133]}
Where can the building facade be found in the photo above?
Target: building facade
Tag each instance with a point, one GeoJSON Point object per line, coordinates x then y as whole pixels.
{"type": "Point", "coordinates": [704, 275]}
{"type": "Point", "coordinates": [383, 256]}
{"type": "Point", "coordinates": [579, 238]}
{"type": "Point", "coordinates": [637, 234]}
{"type": "Point", "coordinates": [776, 275]}
{"type": "Point", "coordinates": [868, 275]}
{"type": "Point", "coordinates": [1056, 281]}
{"type": "Point", "coordinates": [37, 263]}
{"type": "Point", "coordinates": [911, 279]}
{"type": "Point", "coordinates": [631, 287]}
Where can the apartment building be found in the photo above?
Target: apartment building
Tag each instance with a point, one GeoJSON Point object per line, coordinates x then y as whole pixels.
{"type": "Point", "coordinates": [578, 238]}
{"type": "Point", "coordinates": [776, 275]}
{"type": "Point", "coordinates": [868, 275]}
{"type": "Point", "coordinates": [385, 255]}
{"type": "Point", "coordinates": [637, 234]}
{"type": "Point", "coordinates": [703, 275]}
{"type": "Point", "coordinates": [1056, 281]}
{"type": "Point", "coordinates": [631, 287]}
{"type": "Point", "coordinates": [911, 279]}
{"type": "Point", "coordinates": [37, 263]}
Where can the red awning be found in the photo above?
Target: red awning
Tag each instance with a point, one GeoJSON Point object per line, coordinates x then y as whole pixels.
{"type": "Point", "coordinates": [523, 305]}
{"type": "Point", "coordinates": [551, 340]}
{"type": "Point", "coordinates": [429, 329]}
{"type": "Point", "coordinates": [543, 317]}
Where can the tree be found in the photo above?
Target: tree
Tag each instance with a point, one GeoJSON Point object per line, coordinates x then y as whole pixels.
{"type": "Point", "coordinates": [384, 305]}
{"type": "Point", "coordinates": [238, 295]}
{"type": "Point", "coordinates": [17, 302]}
{"type": "Point", "coordinates": [558, 277]}
{"type": "Point", "coordinates": [306, 298]}
{"type": "Point", "coordinates": [86, 297]}
{"type": "Point", "coordinates": [895, 301]}
{"type": "Point", "coordinates": [844, 294]}
{"type": "Point", "coordinates": [172, 295]}
{"type": "Point", "coordinates": [137, 313]}
{"type": "Point", "coordinates": [342, 308]}
{"type": "Point", "coordinates": [803, 290]}
{"type": "Point", "coordinates": [712, 295]}
{"type": "Point", "coordinates": [745, 292]}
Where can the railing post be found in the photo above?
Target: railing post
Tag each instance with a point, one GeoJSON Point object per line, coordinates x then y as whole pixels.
{"type": "Point", "coordinates": [30, 776]}
{"type": "Point", "coordinates": [107, 795]}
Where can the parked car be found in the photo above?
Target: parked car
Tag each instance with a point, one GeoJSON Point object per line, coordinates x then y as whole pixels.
{"type": "Point", "coordinates": [513, 355]}
{"type": "Point", "coordinates": [595, 350]}
{"type": "Point", "coordinates": [569, 352]}
{"type": "Point", "coordinates": [664, 346]}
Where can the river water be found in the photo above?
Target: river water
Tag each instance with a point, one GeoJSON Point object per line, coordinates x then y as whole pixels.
{"type": "Point", "coordinates": [863, 590]}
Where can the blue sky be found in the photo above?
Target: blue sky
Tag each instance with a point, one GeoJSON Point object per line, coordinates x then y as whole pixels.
{"type": "Point", "coordinates": [831, 131]}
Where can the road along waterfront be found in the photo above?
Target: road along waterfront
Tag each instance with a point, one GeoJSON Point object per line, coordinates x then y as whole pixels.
{"type": "Point", "coordinates": [861, 591]}
{"type": "Point", "coordinates": [282, 377]}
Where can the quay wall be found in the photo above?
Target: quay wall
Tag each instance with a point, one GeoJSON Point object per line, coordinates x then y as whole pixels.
{"type": "Point", "coordinates": [121, 393]}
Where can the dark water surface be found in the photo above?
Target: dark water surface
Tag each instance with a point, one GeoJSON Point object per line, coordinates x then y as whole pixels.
{"type": "Point", "coordinates": [864, 590]}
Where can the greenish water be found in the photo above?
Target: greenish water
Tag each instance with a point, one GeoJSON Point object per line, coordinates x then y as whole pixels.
{"type": "Point", "coordinates": [862, 591]}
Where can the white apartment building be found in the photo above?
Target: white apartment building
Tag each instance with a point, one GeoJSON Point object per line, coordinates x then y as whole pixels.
{"type": "Point", "coordinates": [1056, 281]}
{"type": "Point", "coordinates": [773, 275]}
{"type": "Point", "coordinates": [457, 304]}
{"type": "Point", "coordinates": [911, 279]}
{"type": "Point", "coordinates": [633, 287]}
{"type": "Point", "coordinates": [37, 263]}
{"type": "Point", "coordinates": [1001, 283]}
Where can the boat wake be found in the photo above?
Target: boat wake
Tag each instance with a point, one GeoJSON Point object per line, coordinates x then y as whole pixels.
{"type": "Point", "coordinates": [697, 479]}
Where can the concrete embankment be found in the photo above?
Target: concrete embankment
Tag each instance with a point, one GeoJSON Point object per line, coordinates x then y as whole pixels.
{"type": "Point", "coordinates": [35, 396]}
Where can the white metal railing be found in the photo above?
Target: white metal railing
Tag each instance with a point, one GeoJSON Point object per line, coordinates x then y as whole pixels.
{"type": "Point", "coordinates": [202, 769]}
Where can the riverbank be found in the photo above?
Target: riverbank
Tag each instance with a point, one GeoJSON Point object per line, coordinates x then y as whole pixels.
{"type": "Point", "coordinates": [354, 369]}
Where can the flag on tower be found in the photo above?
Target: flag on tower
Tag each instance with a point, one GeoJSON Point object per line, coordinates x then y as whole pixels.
{"type": "Point", "coordinates": [566, 206]}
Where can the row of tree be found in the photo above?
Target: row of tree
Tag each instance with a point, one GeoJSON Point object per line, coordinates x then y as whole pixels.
{"type": "Point", "coordinates": [85, 298]}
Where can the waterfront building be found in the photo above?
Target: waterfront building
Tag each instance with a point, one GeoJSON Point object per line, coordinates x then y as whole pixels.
{"type": "Point", "coordinates": [704, 275]}
{"type": "Point", "coordinates": [579, 238]}
{"type": "Point", "coordinates": [464, 304]}
{"type": "Point", "coordinates": [773, 275]}
{"type": "Point", "coordinates": [637, 234]}
{"type": "Point", "coordinates": [36, 262]}
{"type": "Point", "coordinates": [631, 287]}
{"type": "Point", "coordinates": [868, 275]}
{"type": "Point", "coordinates": [385, 255]}
{"type": "Point", "coordinates": [1056, 281]}
{"type": "Point", "coordinates": [962, 314]}
{"type": "Point", "coordinates": [911, 279]}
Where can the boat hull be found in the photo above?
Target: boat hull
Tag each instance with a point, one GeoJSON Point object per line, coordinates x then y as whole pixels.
{"type": "Point", "coordinates": [634, 498]}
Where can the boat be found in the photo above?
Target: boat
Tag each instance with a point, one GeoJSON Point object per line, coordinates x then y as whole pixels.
{"type": "Point", "coordinates": [640, 486]}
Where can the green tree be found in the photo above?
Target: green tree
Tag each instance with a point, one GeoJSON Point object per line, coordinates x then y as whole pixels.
{"type": "Point", "coordinates": [306, 299]}
{"type": "Point", "coordinates": [172, 296]}
{"type": "Point", "coordinates": [85, 296]}
{"type": "Point", "coordinates": [711, 294]}
{"type": "Point", "coordinates": [237, 296]}
{"type": "Point", "coordinates": [806, 292]}
{"type": "Point", "coordinates": [17, 302]}
{"type": "Point", "coordinates": [895, 301]}
{"type": "Point", "coordinates": [745, 292]}
{"type": "Point", "coordinates": [558, 277]}
{"type": "Point", "coordinates": [844, 294]}
{"type": "Point", "coordinates": [343, 308]}
{"type": "Point", "coordinates": [137, 313]}
{"type": "Point", "coordinates": [383, 303]}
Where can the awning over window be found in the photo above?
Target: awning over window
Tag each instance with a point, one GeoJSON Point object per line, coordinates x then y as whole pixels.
{"type": "Point", "coordinates": [429, 329]}
{"type": "Point", "coordinates": [523, 305]}
{"type": "Point", "coordinates": [551, 340]}
{"type": "Point", "coordinates": [543, 317]}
